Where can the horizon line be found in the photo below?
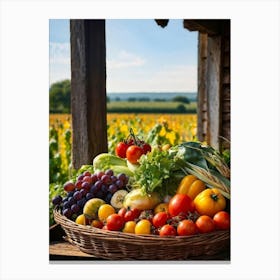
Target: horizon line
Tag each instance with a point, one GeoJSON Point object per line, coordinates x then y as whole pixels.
{"type": "Point", "coordinates": [161, 91]}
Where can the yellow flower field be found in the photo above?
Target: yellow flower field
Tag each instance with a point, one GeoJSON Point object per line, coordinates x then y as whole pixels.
{"type": "Point", "coordinates": [185, 125]}
{"type": "Point", "coordinates": [158, 128]}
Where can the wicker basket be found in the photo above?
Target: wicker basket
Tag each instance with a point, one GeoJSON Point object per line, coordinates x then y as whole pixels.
{"type": "Point", "coordinates": [113, 245]}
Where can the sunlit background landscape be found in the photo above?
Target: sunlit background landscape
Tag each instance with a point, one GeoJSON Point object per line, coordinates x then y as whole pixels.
{"type": "Point", "coordinates": [151, 87]}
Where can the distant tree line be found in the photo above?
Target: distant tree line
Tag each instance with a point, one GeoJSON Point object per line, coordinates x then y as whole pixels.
{"type": "Point", "coordinates": [181, 99]}
{"type": "Point", "coordinates": [180, 109]}
{"type": "Point", "coordinates": [60, 98]}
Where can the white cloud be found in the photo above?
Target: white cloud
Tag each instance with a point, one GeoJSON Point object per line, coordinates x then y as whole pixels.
{"type": "Point", "coordinates": [59, 62]}
{"type": "Point", "coordinates": [59, 53]}
{"type": "Point", "coordinates": [180, 77]}
{"type": "Point", "coordinates": [124, 60]}
{"type": "Point", "coordinates": [165, 78]}
{"type": "Point", "coordinates": [128, 72]}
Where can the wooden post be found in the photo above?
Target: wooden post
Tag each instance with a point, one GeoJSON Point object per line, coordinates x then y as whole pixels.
{"type": "Point", "coordinates": [202, 87]}
{"type": "Point", "coordinates": [214, 90]}
{"type": "Point", "coordinates": [88, 90]}
{"type": "Point", "coordinates": [213, 80]}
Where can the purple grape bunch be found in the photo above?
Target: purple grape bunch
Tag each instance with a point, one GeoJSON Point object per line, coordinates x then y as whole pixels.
{"type": "Point", "coordinates": [101, 184]}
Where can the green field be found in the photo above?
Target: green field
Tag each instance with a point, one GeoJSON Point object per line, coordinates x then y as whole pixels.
{"type": "Point", "coordinates": [150, 107]}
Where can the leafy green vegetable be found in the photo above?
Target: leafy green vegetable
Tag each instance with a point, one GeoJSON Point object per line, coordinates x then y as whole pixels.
{"type": "Point", "coordinates": [190, 152]}
{"type": "Point", "coordinates": [158, 172]}
{"type": "Point", "coordinates": [161, 171]}
{"type": "Point", "coordinates": [117, 169]}
{"type": "Point", "coordinates": [106, 161]}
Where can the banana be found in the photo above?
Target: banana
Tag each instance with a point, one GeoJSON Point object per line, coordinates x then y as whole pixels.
{"type": "Point", "coordinates": [118, 198]}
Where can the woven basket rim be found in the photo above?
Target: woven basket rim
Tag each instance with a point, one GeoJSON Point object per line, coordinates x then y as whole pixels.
{"type": "Point", "coordinates": [89, 231]}
{"type": "Point", "coordinates": [117, 245]}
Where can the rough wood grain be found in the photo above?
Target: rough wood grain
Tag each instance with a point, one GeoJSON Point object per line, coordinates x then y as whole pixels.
{"type": "Point", "coordinates": [226, 106]}
{"type": "Point", "coordinates": [226, 117]}
{"type": "Point", "coordinates": [88, 90]}
{"type": "Point", "coordinates": [226, 59]}
{"type": "Point", "coordinates": [66, 249]}
{"type": "Point", "coordinates": [225, 97]}
{"type": "Point", "coordinates": [213, 90]}
{"type": "Point", "coordinates": [226, 92]}
{"type": "Point", "coordinates": [226, 75]}
{"type": "Point", "coordinates": [202, 87]}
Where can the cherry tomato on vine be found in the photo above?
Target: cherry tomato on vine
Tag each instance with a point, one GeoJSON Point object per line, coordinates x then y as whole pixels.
{"type": "Point", "coordinates": [205, 224]}
{"type": "Point", "coordinates": [121, 149]}
{"type": "Point", "coordinates": [186, 227]}
{"type": "Point", "coordinates": [115, 222]}
{"type": "Point", "coordinates": [122, 211]}
{"type": "Point", "coordinates": [105, 211]}
{"type": "Point", "coordinates": [143, 227]}
{"type": "Point", "coordinates": [222, 220]}
{"type": "Point", "coordinates": [160, 219]}
{"type": "Point", "coordinates": [180, 203]}
{"type": "Point", "coordinates": [129, 227]}
{"type": "Point", "coordinates": [131, 215]}
{"type": "Point", "coordinates": [167, 230]}
{"type": "Point", "coordinates": [133, 153]}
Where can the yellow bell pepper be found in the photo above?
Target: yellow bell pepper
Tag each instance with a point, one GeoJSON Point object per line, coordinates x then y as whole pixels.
{"type": "Point", "coordinates": [209, 202]}
{"type": "Point", "coordinates": [191, 186]}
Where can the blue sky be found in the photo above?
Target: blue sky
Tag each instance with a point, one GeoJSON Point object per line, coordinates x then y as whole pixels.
{"type": "Point", "coordinates": [141, 56]}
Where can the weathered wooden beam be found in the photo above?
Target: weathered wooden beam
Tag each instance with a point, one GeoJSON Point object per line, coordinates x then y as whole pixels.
{"type": "Point", "coordinates": [202, 87]}
{"type": "Point", "coordinates": [88, 90]}
{"type": "Point", "coordinates": [214, 91]}
{"type": "Point", "coordinates": [211, 27]}
{"type": "Point", "coordinates": [225, 89]}
{"type": "Point", "coordinates": [213, 80]}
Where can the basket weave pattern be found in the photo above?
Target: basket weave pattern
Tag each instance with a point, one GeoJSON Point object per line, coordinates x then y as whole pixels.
{"type": "Point", "coordinates": [114, 245]}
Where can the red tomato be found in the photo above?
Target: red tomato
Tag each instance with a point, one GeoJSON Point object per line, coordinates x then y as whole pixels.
{"type": "Point", "coordinates": [160, 219]}
{"type": "Point", "coordinates": [131, 215]}
{"type": "Point", "coordinates": [205, 224]}
{"type": "Point", "coordinates": [146, 148]}
{"type": "Point", "coordinates": [97, 224]}
{"type": "Point", "coordinates": [115, 222]}
{"type": "Point", "coordinates": [133, 153]}
{"type": "Point", "coordinates": [186, 227]}
{"type": "Point", "coordinates": [180, 204]}
{"type": "Point", "coordinates": [167, 230]}
{"type": "Point", "coordinates": [222, 220]}
{"type": "Point", "coordinates": [122, 212]}
{"type": "Point", "coordinates": [121, 149]}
